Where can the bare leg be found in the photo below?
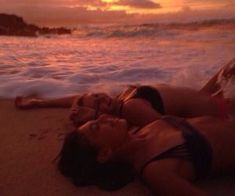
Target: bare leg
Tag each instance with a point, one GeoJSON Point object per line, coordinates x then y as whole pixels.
{"type": "Point", "coordinates": [212, 86]}
{"type": "Point", "coordinates": [29, 102]}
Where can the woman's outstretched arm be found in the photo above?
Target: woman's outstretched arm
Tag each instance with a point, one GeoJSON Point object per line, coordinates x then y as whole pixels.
{"type": "Point", "coordinates": [34, 102]}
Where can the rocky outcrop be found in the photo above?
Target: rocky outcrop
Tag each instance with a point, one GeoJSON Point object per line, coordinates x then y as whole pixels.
{"type": "Point", "coordinates": [13, 25]}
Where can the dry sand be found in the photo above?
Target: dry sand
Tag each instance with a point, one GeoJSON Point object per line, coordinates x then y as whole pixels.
{"type": "Point", "coordinates": [31, 139]}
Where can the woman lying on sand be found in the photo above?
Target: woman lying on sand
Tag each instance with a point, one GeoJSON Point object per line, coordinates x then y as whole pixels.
{"type": "Point", "coordinates": [169, 154]}
{"type": "Point", "coordinates": [143, 104]}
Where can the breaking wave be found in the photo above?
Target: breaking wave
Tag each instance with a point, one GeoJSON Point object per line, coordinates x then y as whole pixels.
{"type": "Point", "coordinates": [150, 30]}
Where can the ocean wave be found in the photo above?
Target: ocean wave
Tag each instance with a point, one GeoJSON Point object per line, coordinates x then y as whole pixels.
{"type": "Point", "coordinates": [61, 66]}
{"type": "Point", "coordinates": [150, 30]}
{"type": "Point", "coordinates": [123, 31]}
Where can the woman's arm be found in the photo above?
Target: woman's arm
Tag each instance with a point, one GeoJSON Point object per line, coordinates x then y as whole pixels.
{"type": "Point", "coordinates": [165, 181]}
{"type": "Point", "coordinates": [227, 71]}
{"type": "Point", "coordinates": [35, 102]}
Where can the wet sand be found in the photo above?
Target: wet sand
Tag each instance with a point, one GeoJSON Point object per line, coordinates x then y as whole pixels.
{"type": "Point", "coordinates": [29, 142]}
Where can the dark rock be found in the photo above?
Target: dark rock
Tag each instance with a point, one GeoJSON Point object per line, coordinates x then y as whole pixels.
{"type": "Point", "coordinates": [13, 25]}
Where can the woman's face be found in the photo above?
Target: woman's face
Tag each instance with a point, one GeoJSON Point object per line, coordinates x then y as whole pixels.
{"type": "Point", "coordinates": [106, 131]}
{"type": "Point", "coordinates": [99, 101]}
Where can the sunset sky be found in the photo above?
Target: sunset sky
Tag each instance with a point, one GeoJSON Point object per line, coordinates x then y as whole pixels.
{"type": "Point", "coordinates": [75, 12]}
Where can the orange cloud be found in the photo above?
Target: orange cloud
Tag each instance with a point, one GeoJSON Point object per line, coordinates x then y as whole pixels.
{"type": "Point", "coordinates": [75, 12]}
{"type": "Point", "coordinates": [143, 4]}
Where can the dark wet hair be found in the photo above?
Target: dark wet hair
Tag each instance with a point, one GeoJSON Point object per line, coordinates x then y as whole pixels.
{"type": "Point", "coordinates": [78, 162]}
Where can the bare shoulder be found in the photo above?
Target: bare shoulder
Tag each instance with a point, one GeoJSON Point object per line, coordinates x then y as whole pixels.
{"type": "Point", "coordinates": [139, 112]}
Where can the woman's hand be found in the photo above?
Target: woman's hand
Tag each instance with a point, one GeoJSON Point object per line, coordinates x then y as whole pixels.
{"type": "Point", "coordinates": [80, 115]}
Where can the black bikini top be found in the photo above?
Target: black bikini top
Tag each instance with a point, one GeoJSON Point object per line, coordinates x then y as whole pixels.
{"type": "Point", "coordinates": [151, 95]}
{"type": "Point", "coordinates": [147, 93]}
{"type": "Point", "coordinates": [187, 143]}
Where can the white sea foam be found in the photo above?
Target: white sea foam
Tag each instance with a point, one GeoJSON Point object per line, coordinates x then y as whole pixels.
{"type": "Point", "coordinates": [109, 58]}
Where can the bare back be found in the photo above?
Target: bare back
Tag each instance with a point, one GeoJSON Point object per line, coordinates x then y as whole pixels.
{"type": "Point", "coordinates": [186, 102]}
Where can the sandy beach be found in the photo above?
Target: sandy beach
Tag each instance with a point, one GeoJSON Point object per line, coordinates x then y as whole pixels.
{"type": "Point", "coordinates": [29, 142]}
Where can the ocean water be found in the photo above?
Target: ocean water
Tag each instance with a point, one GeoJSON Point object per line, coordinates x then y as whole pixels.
{"type": "Point", "coordinates": [108, 58]}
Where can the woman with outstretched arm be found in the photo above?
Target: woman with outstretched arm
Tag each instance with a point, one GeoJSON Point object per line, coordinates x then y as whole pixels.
{"type": "Point", "coordinates": [143, 104]}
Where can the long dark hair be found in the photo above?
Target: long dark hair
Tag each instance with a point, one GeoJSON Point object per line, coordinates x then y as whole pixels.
{"type": "Point", "coordinates": [78, 162]}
